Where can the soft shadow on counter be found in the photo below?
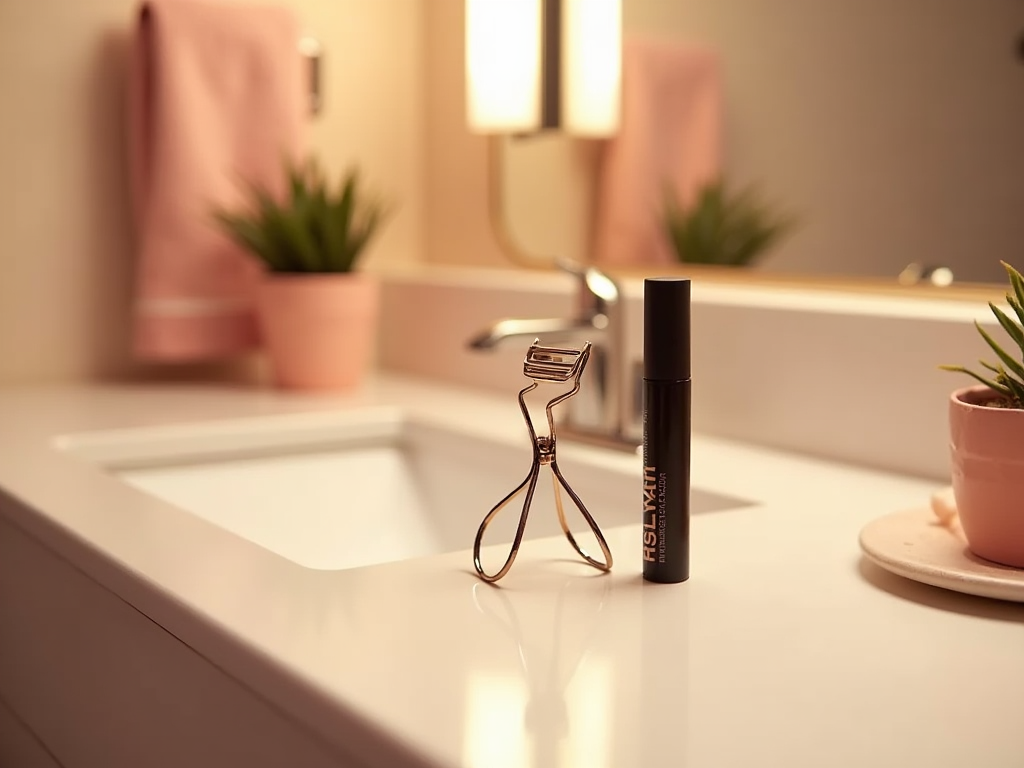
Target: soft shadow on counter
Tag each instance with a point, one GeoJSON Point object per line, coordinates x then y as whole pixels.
{"type": "Point", "coordinates": [937, 597]}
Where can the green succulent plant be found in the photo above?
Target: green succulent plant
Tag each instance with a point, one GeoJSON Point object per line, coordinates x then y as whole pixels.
{"type": "Point", "coordinates": [722, 227]}
{"type": "Point", "coordinates": [314, 229]}
{"type": "Point", "coordinates": [1008, 378]}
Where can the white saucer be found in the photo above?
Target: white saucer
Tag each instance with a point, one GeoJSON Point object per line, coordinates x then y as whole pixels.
{"type": "Point", "coordinates": [915, 545]}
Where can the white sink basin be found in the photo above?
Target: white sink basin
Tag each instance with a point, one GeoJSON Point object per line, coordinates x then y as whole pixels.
{"type": "Point", "coordinates": [363, 487]}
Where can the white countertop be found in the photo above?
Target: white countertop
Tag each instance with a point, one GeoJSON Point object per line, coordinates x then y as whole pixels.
{"type": "Point", "coordinates": [785, 647]}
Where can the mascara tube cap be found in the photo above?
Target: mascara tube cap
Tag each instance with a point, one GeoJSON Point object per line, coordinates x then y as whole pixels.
{"type": "Point", "coordinates": [667, 328]}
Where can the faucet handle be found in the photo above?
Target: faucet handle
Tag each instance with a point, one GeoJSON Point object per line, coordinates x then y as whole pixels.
{"type": "Point", "coordinates": [597, 291]}
{"type": "Point", "coordinates": [570, 267]}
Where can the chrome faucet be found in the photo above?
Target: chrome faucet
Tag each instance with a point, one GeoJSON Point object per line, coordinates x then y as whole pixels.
{"type": "Point", "coordinates": [600, 412]}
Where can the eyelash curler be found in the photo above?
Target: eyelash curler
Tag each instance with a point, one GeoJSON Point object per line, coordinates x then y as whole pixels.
{"type": "Point", "coordinates": [557, 365]}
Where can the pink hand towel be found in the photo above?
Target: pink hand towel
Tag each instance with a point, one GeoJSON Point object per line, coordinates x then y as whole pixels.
{"type": "Point", "coordinates": [671, 135]}
{"type": "Point", "coordinates": [216, 97]}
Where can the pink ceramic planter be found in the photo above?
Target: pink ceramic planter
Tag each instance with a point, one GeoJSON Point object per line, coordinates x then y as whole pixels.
{"type": "Point", "coordinates": [319, 330]}
{"type": "Point", "coordinates": [987, 452]}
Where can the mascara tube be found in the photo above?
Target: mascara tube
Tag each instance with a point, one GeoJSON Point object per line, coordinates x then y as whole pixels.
{"type": "Point", "coordinates": [666, 481]}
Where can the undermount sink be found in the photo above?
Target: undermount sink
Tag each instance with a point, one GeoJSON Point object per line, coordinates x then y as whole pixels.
{"type": "Point", "coordinates": [357, 488]}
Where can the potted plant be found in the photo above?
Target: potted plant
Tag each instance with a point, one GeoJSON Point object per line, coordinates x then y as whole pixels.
{"type": "Point", "coordinates": [721, 227]}
{"type": "Point", "coordinates": [987, 441]}
{"type": "Point", "coordinates": [318, 316]}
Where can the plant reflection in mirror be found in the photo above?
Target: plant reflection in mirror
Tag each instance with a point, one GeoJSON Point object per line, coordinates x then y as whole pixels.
{"type": "Point", "coordinates": [722, 227]}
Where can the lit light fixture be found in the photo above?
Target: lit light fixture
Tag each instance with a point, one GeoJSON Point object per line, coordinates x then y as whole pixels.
{"type": "Point", "coordinates": [543, 64]}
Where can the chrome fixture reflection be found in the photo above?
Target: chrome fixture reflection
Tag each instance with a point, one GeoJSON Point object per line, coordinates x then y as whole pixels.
{"type": "Point", "coordinates": [916, 273]}
{"type": "Point", "coordinates": [312, 52]}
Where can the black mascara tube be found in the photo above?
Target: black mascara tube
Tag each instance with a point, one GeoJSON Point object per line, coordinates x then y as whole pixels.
{"type": "Point", "coordinates": [666, 481]}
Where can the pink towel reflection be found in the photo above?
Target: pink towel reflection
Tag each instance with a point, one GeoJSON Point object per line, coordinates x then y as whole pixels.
{"type": "Point", "coordinates": [671, 134]}
{"type": "Point", "coordinates": [216, 96]}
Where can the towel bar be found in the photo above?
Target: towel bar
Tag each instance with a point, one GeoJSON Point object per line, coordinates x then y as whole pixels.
{"type": "Point", "coordinates": [310, 48]}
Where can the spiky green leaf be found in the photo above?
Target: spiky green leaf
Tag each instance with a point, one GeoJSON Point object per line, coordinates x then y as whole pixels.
{"type": "Point", "coordinates": [1009, 375]}
{"type": "Point", "coordinates": [1014, 365]}
{"type": "Point", "coordinates": [1017, 391]}
{"type": "Point", "coordinates": [1016, 282]}
{"type": "Point", "coordinates": [313, 228]}
{"type": "Point", "coordinates": [1000, 388]}
{"type": "Point", "coordinates": [1012, 329]}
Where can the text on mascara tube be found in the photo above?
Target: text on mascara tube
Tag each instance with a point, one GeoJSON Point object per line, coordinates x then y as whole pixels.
{"type": "Point", "coordinates": [655, 518]}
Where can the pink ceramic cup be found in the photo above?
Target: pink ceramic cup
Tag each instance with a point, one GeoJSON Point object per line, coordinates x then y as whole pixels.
{"type": "Point", "coordinates": [987, 457]}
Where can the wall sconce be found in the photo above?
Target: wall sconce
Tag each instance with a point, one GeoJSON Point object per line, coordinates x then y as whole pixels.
{"type": "Point", "coordinates": [539, 65]}
{"type": "Point", "coordinates": [533, 65]}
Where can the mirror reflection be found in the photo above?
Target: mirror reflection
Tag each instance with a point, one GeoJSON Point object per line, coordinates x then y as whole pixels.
{"type": "Point", "coordinates": [876, 134]}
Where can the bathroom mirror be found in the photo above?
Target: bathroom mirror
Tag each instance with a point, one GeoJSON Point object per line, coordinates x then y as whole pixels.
{"type": "Point", "coordinates": [891, 130]}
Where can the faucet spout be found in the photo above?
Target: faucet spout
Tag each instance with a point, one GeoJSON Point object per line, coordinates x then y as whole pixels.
{"type": "Point", "coordinates": [600, 412]}
{"type": "Point", "coordinates": [552, 329]}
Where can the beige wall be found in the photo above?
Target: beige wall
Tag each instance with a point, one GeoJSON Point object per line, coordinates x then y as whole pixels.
{"type": "Point", "coordinates": [455, 205]}
{"type": "Point", "coordinates": [65, 256]}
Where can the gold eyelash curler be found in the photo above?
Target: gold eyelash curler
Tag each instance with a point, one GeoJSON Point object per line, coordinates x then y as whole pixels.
{"type": "Point", "coordinates": [545, 364]}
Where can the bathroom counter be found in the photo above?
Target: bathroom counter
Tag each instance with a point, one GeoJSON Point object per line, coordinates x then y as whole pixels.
{"type": "Point", "coordinates": [784, 648]}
